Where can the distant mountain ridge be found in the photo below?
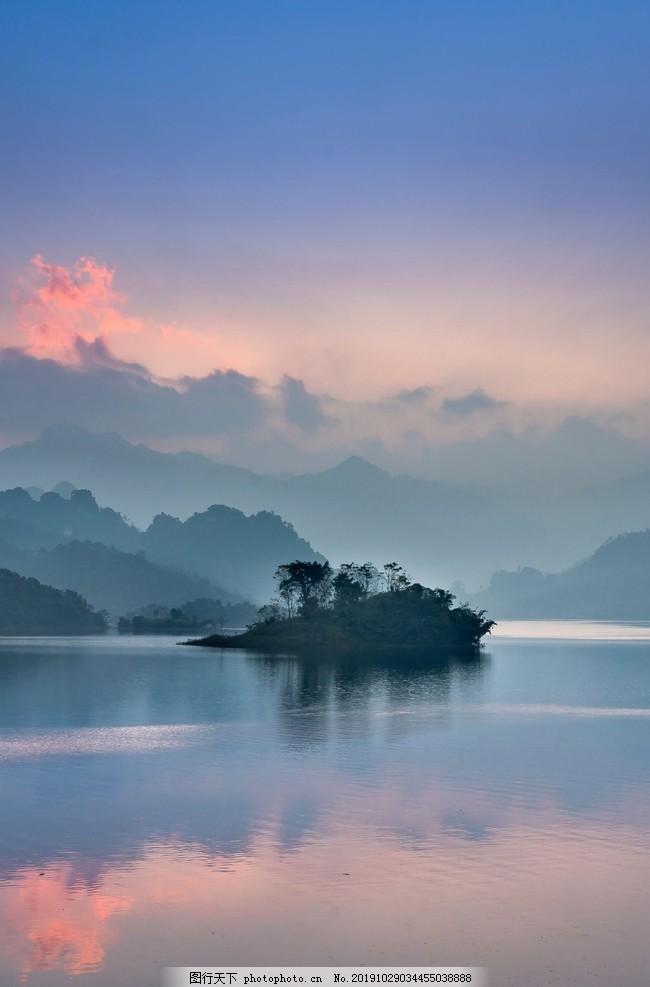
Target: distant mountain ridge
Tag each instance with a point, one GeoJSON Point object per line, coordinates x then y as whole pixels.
{"type": "Point", "coordinates": [443, 532]}
{"type": "Point", "coordinates": [612, 584]}
{"type": "Point", "coordinates": [53, 517]}
{"type": "Point", "coordinates": [74, 543]}
{"type": "Point", "coordinates": [354, 509]}
{"type": "Point", "coordinates": [117, 471]}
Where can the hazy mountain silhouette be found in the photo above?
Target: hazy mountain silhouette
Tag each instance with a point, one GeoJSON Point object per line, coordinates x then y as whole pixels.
{"type": "Point", "coordinates": [133, 478]}
{"type": "Point", "coordinates": [29, 607]}
{"type": "Point", "coordinates": [224, 544]}
{"type": "Point", "coordinates": [441, 531]}
{"type": "Point", "coordinates": [55, 517]}
{"type": "Point", "coordinates": [64, 489]}
{"type": "Point", "coordinates": [74, 543]}
{"type": "Point", "coordinates": [612, 584]}
{"type": "Point", "coordinates": [109, 578]}
{"type": "Point", "coordinates": [352, 510]}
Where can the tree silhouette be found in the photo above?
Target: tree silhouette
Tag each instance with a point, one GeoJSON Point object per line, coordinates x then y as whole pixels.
{"type": "Point", "coordinates": [395, 577]}
{"type": "Point", "coordinates": [304, 585]}
{"type": "Point", "coordinates": [354, 582]}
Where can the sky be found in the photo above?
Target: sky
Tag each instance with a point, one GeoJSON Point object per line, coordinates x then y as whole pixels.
{"type": "Point", "coordinates": [373, 226]}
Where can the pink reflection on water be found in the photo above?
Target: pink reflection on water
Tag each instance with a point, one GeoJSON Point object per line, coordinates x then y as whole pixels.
{"type": "Point", "coordinates": [54, 920]}
{"type": "Point", "coordinates": [544, 899]}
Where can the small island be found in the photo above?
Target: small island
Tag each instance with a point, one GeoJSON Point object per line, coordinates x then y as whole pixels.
{"type": "Point", "coordinates": [194, 617]}
{"type": "Point", "coordinates": [357, 608]}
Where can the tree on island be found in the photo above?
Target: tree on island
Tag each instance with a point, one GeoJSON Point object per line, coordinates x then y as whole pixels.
{"type": "Point", "coordinates": [303, 585]}
{"type": "Point", "coordinates": [395, 578]}
{"type": "Point", "coordinates": [357, 606]}
{"type": "Point", "coordinates": [307, 586]}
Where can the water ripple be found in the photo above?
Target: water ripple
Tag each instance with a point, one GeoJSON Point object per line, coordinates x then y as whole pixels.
{"type": "Point", "coordinates": [106, 740]}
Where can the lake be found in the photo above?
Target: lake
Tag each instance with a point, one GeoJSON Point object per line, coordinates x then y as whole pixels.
{"type": "Point", "coordinates": [171, 806]}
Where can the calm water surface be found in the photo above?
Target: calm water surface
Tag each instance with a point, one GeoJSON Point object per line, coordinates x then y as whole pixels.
{"type": "Point", "coordinates": [167, 806]}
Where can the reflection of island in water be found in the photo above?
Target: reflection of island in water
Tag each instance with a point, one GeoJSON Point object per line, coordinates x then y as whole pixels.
{"type": "Point", "coordinates": [345, 695]}
{"type": "Point", "coordinates": [278, 810]}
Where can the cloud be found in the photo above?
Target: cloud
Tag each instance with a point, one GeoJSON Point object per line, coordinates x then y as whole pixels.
{"type": "Point", "coordinates": [103, 393]}
{"type": "Point", "coordinates": [72, 369]}
{"type": "Point", "coordinates": [67, 369]}
{"type": "Point", "coordinates": [300, 407]}
{"type": "Point", "coordinates": [223, 400]}
{"type": "Point", "coordinates": [248, 423]}
{"type": "Point", "coordinates": [96, 355]}
{"type": "Point", "coordinates": [471, 404]}
{"type": "Point", "coordinates": [60, 308]}
{"type": "Point", "coordinates": [416, 396]}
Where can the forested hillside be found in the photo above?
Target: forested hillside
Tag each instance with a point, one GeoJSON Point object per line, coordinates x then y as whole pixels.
{"type": "Point", "coordinates": [73, 542]}
{"type": "Point", "coordinates": [29, 607]}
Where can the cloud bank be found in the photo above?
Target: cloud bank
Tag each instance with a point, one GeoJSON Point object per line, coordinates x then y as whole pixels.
{"type": "Point", "coordinates": [71, 325]}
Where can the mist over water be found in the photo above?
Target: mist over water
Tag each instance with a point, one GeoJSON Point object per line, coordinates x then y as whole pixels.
{"type": "Point", "coordinates": [170, 807]}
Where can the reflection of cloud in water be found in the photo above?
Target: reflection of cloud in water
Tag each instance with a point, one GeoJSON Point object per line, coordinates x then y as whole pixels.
{"type": "Point", "coordinates": [458, 823]}
{"type": "Point", "coordinates": [354, 895]}
{"type": "Point", "coordinates": [426, 787]}
{"type": "Point", "coordinates": [53, 920]}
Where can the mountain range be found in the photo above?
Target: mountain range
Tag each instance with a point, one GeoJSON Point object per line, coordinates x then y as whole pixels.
{"type": "Point", "coordinates": [73, 543]}
{"type": "Point", "coordinates": [441, 532]}
{"type": "Point", "coordinates": [611, 584]}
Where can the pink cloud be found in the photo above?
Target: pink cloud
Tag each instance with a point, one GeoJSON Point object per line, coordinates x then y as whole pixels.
{"type": "Point", "coordinates": [75, 316]}
{"type": "Point", "coordinates": [59, 308]}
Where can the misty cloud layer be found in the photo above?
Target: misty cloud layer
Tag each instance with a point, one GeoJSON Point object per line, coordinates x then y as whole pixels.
{"type": "Point", "coordinates": [35, 393]}
{"type": "Point", "coordinates": [470, 404]}
{"type": "Point", "coordinates": [77, 358]}
{"type": "Point", "coordinates": [473, 437]}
